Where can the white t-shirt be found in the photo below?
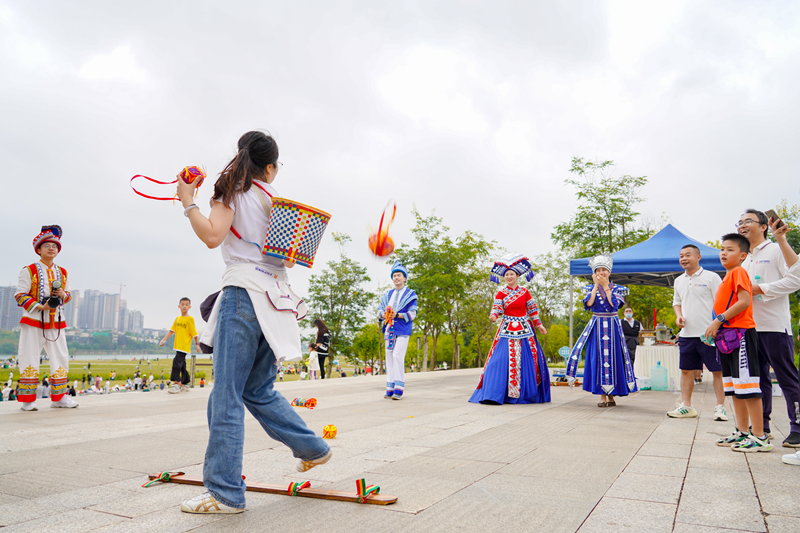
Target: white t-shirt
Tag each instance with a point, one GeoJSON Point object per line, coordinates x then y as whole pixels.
{"type": "Point", "coordinates": [251, 222]}
{"type": "Point", "coordinates": [313, 361]}
{"type": "Point", "coordinates": [695, 294]}
{"type": "Point", "coordinates": [771, 311]}
{"type": "Point", "coordinates": [6, 394]}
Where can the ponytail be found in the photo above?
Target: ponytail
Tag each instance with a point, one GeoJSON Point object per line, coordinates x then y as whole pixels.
{"type": "Point", "coordinates": [257, 150]}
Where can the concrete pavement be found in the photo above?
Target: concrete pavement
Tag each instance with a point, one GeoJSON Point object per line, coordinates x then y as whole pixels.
{"type": "Point", "coordinates": [563, 466]}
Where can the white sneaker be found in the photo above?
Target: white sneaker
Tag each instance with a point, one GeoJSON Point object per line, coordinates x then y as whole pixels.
{"type": "Point", "coordinates": [29, 406]}
{"type": "Point", "coordinates": [185, 388]}
{"type": "Point", "coordinates": [305, 466]}
{"type": "Point", "coordinates": [681, 411]}
{"type": "Point", "coordinates": [719, 414]}
{"type": "Point", "coordinates": [792, 459]}
{"type": "Point", "coordinates": [66, 402]}
{"type": "Point", "coordinates": [206, 503]}
{"type": "Point", "coordinates": [174, 389]}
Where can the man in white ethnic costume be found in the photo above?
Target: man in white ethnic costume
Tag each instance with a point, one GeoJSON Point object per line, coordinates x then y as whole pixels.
{"type": "Point", "coordinates": [42, 290]}
{"type": "Point", "coordinates": [396, 312]}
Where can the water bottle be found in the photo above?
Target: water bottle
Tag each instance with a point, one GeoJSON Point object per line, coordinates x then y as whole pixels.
{"type": "Point", "coordinates": [658, 374]}
{"type": "Point", "coordinates": [757, 280]}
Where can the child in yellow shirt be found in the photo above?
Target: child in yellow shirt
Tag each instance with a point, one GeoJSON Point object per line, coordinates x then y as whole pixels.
{"type": "Point", "coordinates": [184, 331]}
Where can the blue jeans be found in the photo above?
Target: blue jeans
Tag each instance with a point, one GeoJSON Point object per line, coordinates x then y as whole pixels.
{"type": "Point", "coordinates": [244, 373]}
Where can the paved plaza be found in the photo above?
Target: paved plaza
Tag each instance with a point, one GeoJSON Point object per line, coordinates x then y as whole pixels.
{"type": "Point", "coordinates": [455, 466]}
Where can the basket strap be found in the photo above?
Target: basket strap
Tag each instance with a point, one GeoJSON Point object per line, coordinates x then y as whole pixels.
{"type": "Point", "coordinates": [266, 210]}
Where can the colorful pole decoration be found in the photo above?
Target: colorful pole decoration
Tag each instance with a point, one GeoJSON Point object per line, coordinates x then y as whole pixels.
{"type": "Point", "coordinates": [188, 174]}
{"type": "Point", "coordinates": [380, 243]}
{"type": "Point", "coordinates": [294, 487]}
{"type": "Point", "coordinates": [163, 476]}
{"type": "Point", "coordinates": [329, 432]}
{"type": "Point", "coordinates": [364, 491]}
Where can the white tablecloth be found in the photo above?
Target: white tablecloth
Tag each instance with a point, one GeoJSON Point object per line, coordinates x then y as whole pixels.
{"type": "Point", "coordinates": [648, 356]}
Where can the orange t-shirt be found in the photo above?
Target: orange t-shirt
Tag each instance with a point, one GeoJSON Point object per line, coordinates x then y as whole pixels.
{"type": "Point", "coordinates": [734, 281]}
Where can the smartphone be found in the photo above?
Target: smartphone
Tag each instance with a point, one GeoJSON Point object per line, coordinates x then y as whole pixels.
{"type": "Point", "coordinates": [774, 216]}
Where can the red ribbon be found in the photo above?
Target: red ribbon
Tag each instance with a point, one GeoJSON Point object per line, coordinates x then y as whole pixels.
{"type": "Point", "coordinates": [154, 181]}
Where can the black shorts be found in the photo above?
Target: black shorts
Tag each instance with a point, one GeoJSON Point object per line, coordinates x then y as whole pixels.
{"type": "Point", "coordinates": [695, 353]}
{"type": "Point", "coordinates": [740, 374]}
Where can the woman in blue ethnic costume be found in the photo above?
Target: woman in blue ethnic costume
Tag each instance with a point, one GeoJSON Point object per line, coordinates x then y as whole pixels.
{"type": "Point", "coordinates": [608, 370]}
{"type": "Point", "coordinates": [515, 369]}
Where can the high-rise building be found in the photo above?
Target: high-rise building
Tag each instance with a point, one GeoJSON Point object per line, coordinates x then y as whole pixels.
{"type": "Point", "coordinates": [71, 309]}
{"type": "Point", "coordinates": [10, 312]}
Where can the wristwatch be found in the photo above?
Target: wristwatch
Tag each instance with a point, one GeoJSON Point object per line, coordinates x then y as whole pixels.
{"type": "Point", "coordinates": [721, 318]}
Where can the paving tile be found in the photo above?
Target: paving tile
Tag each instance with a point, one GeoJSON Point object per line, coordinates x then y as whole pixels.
{"type": "Point", "coordinates": [660, 449]}
{"type": "Point", "coordinates": [680, 527]}
{"type": "Point", "coordinates": [157, 497]}
{"type": "Point", "coordinates": [780, 499]}
{"type": "Point", "coordinates": [783, 524]}
{"type": "Point", "coordinates": [619, 515]}
{"type": "Point", "coordinates": [77, 520]}
{"type": "Point", "coordinates": [774, 474]}
{"type": "Point", "coordinates": [646, 487]}
{"type": "Point", "coordinates": [715, 509]}
{"type": "Point", "coordinates": [660, 466]}
{"type": "Point", "coordinates": [718, 481]}
{"type": "Point", "coordinates": [492, 454]}
{"type": "Point", "coordinates": [438, 467]}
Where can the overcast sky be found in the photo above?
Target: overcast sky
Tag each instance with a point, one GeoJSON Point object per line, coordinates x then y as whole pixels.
{"type": "Point", "coordinates": [471, 109]}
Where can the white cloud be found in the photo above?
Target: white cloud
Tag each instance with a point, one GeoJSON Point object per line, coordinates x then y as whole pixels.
{"type": "Point", "coordinates": [119, 65]}
{"type": "Point", "coordinates": [432, 86]}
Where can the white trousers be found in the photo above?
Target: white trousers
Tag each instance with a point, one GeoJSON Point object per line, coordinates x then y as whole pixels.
{"type": "Point", "coordinates": [395, 366]}
{"type": "Point", "coordinates": [31, 342]}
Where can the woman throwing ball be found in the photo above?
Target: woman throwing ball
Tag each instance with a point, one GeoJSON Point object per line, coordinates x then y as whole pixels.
{"type": "Point", "coordinates": [253, 326]}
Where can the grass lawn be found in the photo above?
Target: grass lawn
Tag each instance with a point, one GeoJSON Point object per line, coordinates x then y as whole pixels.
{"type": "Point", "coordinates": [125, 370]}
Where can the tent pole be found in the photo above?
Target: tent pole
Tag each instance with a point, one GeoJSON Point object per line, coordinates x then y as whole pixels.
{"type": "Point", "coordinates": [571, 311]}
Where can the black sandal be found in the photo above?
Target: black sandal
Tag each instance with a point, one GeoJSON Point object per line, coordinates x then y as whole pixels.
{"type": "Point", "coordinates": [602, 404]}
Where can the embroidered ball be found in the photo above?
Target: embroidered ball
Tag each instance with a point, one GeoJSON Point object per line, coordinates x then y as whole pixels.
{"type": "Point", "coordinates": [381, 246]}
{"type": "Point", "coordinates": [190, 174]}
{"type": "Point", "coordinates": [329, 432]}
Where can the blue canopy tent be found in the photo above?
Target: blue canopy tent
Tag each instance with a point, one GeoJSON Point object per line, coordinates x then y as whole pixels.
{"type": "Point", "coordinates": [651, 262]}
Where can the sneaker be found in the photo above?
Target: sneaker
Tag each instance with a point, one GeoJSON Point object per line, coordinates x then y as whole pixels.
{"type": "Point", "coordinates": [719, 414]}
{"type": "Point", "coordinates": [174, 389]}
{"type": "Point", "coordinates": [792, 441]}
{"type": "Point", "coordinates": [733, 438]}
{"type": "Point", "coordinates": [753, 444]}
{"type": "Point", "coordinates": [206, 503]}
{"type": "Point", "coordinates": [29, 406]}
{"type": "Point", "coordinates": [185, 388]}
{"type": "Point", "coordinates": [388, 397]}
{"type": "Point", "coordinates": [66, 402]}
{"type": "Point", "coordinates": [681, 411]}
{"type": "Point", "coordinates": [305, 466]}
{"type": "Point", "coordinates": [397, 397]}
{"type": "Point", "coordinates": [792, 459]}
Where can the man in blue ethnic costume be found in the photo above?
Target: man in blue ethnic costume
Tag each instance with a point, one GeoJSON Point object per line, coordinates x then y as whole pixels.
{"type": "Point", "coordinates": [515, 369]}
{"type": "Point", "coordinates": [396, 313]}
{"type": "Point", "coordinates": [608, 370]}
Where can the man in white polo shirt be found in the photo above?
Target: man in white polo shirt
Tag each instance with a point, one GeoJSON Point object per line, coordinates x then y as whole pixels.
{"type": "Point", "coordinates": [773, 281]}
{"type": "Point", "coordinates": [693, 302]}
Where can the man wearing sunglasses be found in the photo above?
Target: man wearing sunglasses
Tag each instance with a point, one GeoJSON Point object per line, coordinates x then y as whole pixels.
{"type": "Point", "coordinates": [773, 269]}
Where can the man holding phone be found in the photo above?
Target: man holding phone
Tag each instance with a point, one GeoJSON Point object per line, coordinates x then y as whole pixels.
{"type": "Point", "coordinates": [773, 271]}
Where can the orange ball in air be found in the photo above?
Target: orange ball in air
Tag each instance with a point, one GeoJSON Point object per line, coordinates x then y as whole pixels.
{"type": "Point", "coordinates": [381, 247]}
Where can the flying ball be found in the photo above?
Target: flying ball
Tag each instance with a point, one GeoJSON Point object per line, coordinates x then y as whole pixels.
{"type": "Point", "coordinates": [329, 432]}
{"type": "Point", "coordinates": [190, 174]}
{"type": "Point", "coordinates": [379, 242]}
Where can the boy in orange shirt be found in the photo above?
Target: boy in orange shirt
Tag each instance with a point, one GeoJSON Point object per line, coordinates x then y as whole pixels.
{"type": "Point", "coordinates": [733, 310]}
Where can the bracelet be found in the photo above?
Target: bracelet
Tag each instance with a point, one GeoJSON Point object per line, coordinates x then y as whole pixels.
{"type": "Point", "coordinates": [186, 211]}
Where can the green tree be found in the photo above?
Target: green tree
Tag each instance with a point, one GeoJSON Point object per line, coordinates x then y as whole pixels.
{"type": "Point", "coordinates": [425, 278]}
{"type": "Point", "coordinates": [337, 295]}
{"type": "Point", "coordinates": [550, 289]}
{"type": "Point", "coordinates": [368, 345]}
{"type": "Point", "coordinates": [791, 215]}
{"type": "Point", "coordinates": [605, 220]}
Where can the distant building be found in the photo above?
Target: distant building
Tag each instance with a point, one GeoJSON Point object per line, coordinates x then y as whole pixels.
{"type": "Point", "coordinates": [10, 312]}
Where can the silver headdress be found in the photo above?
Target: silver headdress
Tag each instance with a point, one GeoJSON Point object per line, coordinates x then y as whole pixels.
{"type": "Point", "coordinates": [602, 260]}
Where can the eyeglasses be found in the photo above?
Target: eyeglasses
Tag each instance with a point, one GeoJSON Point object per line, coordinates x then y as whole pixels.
{"type": "Point", "coordinates": [49, 246]}
{"type": "Point", "coordinates": [745, 223]}
{"type": "Point", "coordinates": [278, 165]}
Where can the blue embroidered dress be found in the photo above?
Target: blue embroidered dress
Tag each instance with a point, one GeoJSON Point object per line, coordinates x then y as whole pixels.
{"type": "Point", "coordinates": [515, 369]}
{"type": "Point", "coordinates": [608, 368]}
